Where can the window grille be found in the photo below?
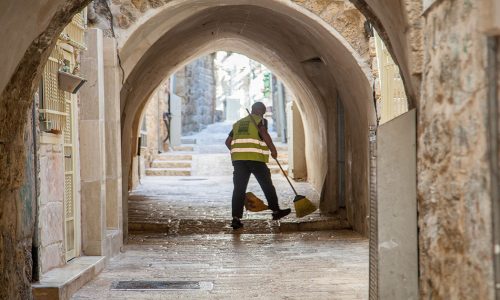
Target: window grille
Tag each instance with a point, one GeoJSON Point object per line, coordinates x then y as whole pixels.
{"type": "Point", "coordinates": [144, 140]}
{"type": "Point", "coordinates": [53, 101]}
{"type": "Point", "coordinates": [393, 96]}
{"type": "Point", "coordinates": [74, 32]}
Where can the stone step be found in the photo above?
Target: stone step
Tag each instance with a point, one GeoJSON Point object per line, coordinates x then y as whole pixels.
{"type": "Point", "coordinates": [183, 148]}
{"type": "Point", "coordinates": [62, 283]}
{"type": "Point", "coordinates": [282, 154]}
{"type": "Point", "coordinates": [168, 172]}
{"type": "Point", "coordinates": [315, 225]}
{"type": "Point", "coordinates": [188, 141]}
{"type": "Point", "coordinates": [171, 164]}
{"type": "Point", "coordinates": [252, 226]}
{"type": "Point", "coordinates": [172, 156]}
{"type": "Point", "coordinates": [276, 169]}
{"type": "Point", "coordinates": [272, 162]}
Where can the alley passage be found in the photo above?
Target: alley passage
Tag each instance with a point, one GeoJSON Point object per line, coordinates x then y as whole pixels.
{"type": "Point", "coordinates": [179, 231]}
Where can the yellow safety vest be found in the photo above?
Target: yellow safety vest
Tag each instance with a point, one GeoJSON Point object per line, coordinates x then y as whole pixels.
{"type": "Point", "coordinates": [247, 144]}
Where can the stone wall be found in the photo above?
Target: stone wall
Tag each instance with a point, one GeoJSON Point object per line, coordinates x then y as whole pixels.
{"type": "Point", "coordinates": [454, 220]}
{"type": "Point", "coordinates": [453, 173]}
{"type": "Point", "coordinates": [17, 218]}
{"type": "Point", "coordinates": [196, 85]}
{"type": "Point", "coordinates": [17, 87]}
{"type": "Point", "coordinates": [345, 18]}
{"type": "Point", "coordinates": [51, 207]}
{"type": "Point", "coordinates": [341, 14]}
{"type": "Point", "coordinates": [24, 55]}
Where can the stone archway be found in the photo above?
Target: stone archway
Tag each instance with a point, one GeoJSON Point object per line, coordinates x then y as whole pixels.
{"type": "Point", "coordinates": [314, 60]}
{"type": "Point", "coordinates": [24, 57]}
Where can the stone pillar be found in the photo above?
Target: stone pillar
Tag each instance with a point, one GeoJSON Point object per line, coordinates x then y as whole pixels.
{"type": "Point", "coordinates": [113, 143]}
{"type": "Point", "coordinates": [92, 147]}
{"type": "Point", "coordinates": [296, 143]}
{"type": "Point", "coordinates": [176, 121]}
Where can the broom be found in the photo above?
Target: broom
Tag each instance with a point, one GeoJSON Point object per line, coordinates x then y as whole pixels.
{"type": "Point", "coordinates": [303, 206]}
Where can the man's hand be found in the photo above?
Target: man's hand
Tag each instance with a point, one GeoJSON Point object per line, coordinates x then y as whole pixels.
{"type": "Point", "coordinates": [228, 142]}
{"type": "Point", "coordinates": [274, 154]}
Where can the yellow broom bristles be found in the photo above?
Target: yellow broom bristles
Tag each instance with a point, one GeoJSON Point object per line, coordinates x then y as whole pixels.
{"type": "Point", "coordinates": [303, 207]}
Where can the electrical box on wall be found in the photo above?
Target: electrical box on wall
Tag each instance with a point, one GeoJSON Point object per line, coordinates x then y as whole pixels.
{"type": "Point", "coordinates": [489, 21]}
{"type": "Point", "coordinates": [393, 212]}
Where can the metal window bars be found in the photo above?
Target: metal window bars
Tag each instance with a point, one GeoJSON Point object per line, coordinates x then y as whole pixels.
{"type": "Point", "coordinates": [53, 101]}
{"type": "Point", "coordinates": [74, 32]}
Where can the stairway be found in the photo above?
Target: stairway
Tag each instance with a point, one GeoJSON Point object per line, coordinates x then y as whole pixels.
{"type": "Point", "coordinates": [174, 163]}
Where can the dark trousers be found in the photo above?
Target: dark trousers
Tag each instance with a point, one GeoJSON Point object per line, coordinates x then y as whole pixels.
{"type": "Point", "coordinates": [241, 175]}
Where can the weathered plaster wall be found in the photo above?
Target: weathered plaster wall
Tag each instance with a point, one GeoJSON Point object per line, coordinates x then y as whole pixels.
{"type": "Point", "coordinates": [15, 14]}
{"type": "Point", "coordinates": [453, 173]}
{"type": "Point", "coordinates": [51, 209]}
{"type": "Point", "coordinates": [195, 84]}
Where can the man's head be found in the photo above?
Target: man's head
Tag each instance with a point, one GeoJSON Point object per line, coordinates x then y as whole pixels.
{"type": "Point", "coordinates": [258, 108]}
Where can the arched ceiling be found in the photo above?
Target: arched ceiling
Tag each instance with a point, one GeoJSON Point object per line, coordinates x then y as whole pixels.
{"type": "Point", "coordinates": [398, 21]}
{"type": "Point", "coordinates": [311, 58]}
{"type": "Point", "coordinates": [307, 46]}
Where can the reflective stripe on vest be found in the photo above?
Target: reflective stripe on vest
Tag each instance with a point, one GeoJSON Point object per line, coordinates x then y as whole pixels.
{"type": "Point", "coordinates": [246, 143]}
{"type": "Point", "coordinates": [243, 150]}
{"type": "Point", "coordinates": [249, 141]}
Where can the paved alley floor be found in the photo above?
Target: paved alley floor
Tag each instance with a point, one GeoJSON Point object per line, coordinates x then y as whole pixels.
{"type": "Point", "coordinates": [179, 231]}
{"type": "Point", "coordinates": [312, 265]}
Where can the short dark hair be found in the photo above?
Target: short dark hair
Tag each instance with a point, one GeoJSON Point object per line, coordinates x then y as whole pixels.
{"type": "Point", "coordinates": [259, 107]}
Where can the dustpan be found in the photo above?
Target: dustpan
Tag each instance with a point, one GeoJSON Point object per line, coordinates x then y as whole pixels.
{"type": "Point", "coordinates": [253, 203]}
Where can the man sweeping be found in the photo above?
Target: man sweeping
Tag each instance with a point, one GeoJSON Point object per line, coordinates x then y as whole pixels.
{"type": "Point", "coordinates": [250, 147]}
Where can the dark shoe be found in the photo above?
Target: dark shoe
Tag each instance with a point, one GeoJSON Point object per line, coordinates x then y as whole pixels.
{"type": "Point", "coordinates": [236, 223]}
{"type": "Point", "coordinates": [281, 213]}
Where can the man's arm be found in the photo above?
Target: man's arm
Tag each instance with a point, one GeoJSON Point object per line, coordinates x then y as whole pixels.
{"type": "Point", "coordinates": [228, 142]}
{"type": "Point", "coordinates": [267, 139]}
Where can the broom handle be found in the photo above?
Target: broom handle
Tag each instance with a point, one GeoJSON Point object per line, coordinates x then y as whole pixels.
{"type": "Point", "coordinates": [284, 174]}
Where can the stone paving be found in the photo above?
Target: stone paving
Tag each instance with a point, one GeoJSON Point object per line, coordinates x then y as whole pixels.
{"type": "Point", "coordinates": [312, 265]}
{"type": "Point", "coordinates": [248, 264]}
{"type": "Point", "coordinates": [189, 239]}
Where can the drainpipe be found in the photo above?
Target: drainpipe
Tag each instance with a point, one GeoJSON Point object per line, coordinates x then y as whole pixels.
{"type": "Point", "coordinates": [36, 239]}
{"type": "Point", "coordinates": [158, 124]}
{"type": "Point", "coordinates": [341, 151]}
{"type": "Point", "coordinates": [492, 73]}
